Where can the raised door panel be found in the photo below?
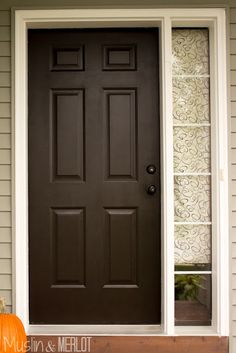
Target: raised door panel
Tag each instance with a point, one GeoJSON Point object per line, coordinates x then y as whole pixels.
{"type": "Point", "coordinates": [68, 59]}
{"type": "Point", "coordinates": [120, 246]}
{"type": "Point", "coordinates": [119, 57]}
{"type": "Point", "coordinates": [121, 132]}
{"type": "Point", "coordinates": [67, 135]}
{"type": "Point", "coordinates": [68, 247]}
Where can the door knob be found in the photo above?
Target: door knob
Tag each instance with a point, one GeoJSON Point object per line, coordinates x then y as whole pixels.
{"type": "Point", "coordinates": [151, 169]}
{"type": "Point", "coordinates": [151, 189]}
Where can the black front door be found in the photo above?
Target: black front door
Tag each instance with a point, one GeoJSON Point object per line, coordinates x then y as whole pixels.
{"type": "Point", "coordinates": [94, 205]}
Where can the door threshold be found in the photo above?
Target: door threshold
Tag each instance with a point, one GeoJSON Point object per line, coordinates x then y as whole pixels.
{"type": "Point", "coordinates": [95, 330]}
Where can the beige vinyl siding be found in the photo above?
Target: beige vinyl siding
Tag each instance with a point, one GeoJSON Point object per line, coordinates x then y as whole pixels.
{"type": "Point", "coordinates": [233, 171]}
{"type": "Point", "coordinates": [5, 172]}
{"type": "Point", "coordinates": [5, 18]}
{"type": "Point", "coordinates": [5, 205]}
{"type": "Point", "coordinates": [5, 160]}
{"type": "Point", "coordinates": [5, 77]}
{"type": "Point", "coordinates": [5, 108]}
{"type": "Point", "coordinates": [5, 235]}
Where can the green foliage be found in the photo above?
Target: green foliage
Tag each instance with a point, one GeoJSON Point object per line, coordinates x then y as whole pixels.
{"type": "Point", "coordinates": [187, 286]}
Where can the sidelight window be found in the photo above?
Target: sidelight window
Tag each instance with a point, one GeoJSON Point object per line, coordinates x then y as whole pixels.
{"type": "Point", "coordinates": [192, 175]}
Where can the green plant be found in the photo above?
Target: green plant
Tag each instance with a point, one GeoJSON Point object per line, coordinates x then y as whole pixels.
{"type": "Point", "coordinates": [187, 286]}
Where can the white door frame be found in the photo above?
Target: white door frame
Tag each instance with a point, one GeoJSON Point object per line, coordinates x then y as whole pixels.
{"type": "Point", "coordinates": [164, 19]}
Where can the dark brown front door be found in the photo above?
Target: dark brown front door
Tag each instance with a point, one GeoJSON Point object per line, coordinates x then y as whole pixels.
{"type": "Point", "coordinates": [94, 220]}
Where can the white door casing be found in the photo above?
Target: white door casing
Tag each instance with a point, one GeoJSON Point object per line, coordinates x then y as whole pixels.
{"type": "Point", "coordinates": [164, 19]}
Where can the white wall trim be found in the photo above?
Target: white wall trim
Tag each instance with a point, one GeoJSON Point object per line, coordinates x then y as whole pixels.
{"type": "Point", "coordinates": [167, 182]}
{"type": "Point", "coordinates": [164, 19]}
{"type": "Point", "coordinates": [222, 177]}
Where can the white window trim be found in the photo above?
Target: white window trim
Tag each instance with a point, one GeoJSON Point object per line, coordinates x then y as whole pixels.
{"type": "Point", "coordinates": [165, 19]}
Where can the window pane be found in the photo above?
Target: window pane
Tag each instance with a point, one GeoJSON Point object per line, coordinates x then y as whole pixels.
{"type": "Point", "coordinates": [193, 299]}
{"type": "Point", "coordinates": [190, 51]}
{"type": "Point", "coordinates": [191, 100]}
{"type": "Point", "coordinates": [193, 247]}
{"type": "Point", "coordinates": [192, 198]}
{"type": "Point", "coordinates": [191, 149]}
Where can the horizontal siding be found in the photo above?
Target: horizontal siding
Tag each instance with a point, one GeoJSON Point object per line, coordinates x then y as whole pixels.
{"type": "Point", "coordinates": [233, 155]}
{"type": "Point", "coordinates": [6, 266]}
{"type": "Point", "coordinates": [5, 63]}
{"type": "Point", "coordinates": [233, 62]}
{"type": "Point", "coordinates": [233, 266]}
{"type": "Point", "coordinates": [5, 281]}
{"type": "Point", "coordinates": [233, 172]}
{"type": "Point", "coordinates": [233, 326]}
{"type": "Point", "coordinates": [8, 309]}
{"type": "Point", "coordinates": [233, 234]}
{"type": "Point", "coordinates": [233, 312]}
{"type": "Point", "coordinates": [233, 250]}
{"type": "Point", "coordinates": [5, 94]}
{"type": "Point", "coordinates": [5, 156]}
{"type": "Point", "coordinates": [233, 140]}
{"type": "Point", "coordinates": [6, 262]}
{"type": "Point", "coordinates": [5, 125]}
{"type": "Point", "coordinates": [233, 280]}
{"type": "Point", "coordinates": [5, 33]}
{"type": "Point", "coordinates": [233, 202]}
{"type": "Point", "coordinates": [5, 219]}
{"type": "Point", "coordinates": [233, 220]}
{"type": "Point", "coordinates": [233, 30]}
{"type": "Point", "coordinates": [233, 124]}
{"type": "Point", "coordinates": [232, 344]}
{"type": "Point", "coordinates": [5, 109]}
{"type": "Point", "coordinates": [233, 92]}
{"type": "Point", "coordinates": [5, 48]}
{"type": "Point", "coordinates": [233, 108]}
{"type": "Point", "coordinates": [5, 79]}
{"type": "Point", "coordinates": [5, 251]}
{"type": "Point", "coordinates": [5, 142]}
{"type": "Point", "coordinates": [233, 15]}
{"type": "Point", "coordinates": [7, 295]}
{"type": "Point", "coordinates": [232, 76]}
{"type": "Point", "coordinates": [233, 46]}
{"type": "Point", "coordinates": [5, 18]}
{"type": "Point", "coordinates": [5, 188]}
{"type": "Point", "coordinates": [5, 172]}
{"type": "Point", "coordinates": [5, 235]}
{"type": "Point", "coordinates": [5, 160]}
{"type": "Point", "coordinates": [5, 204]}
{"type": "Point", "coordinates": [234, 300]}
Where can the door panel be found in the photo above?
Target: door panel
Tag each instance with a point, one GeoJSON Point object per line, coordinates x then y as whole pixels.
{"type": "Point", "coordinates": [68, 242]}
{"type": "Point", "coordinates": [120, 245]}
{"type": "Point", "coordinates": [121, 129]}
{"type": "Point", "coordinates": [67, 134]}
{"type": "Point", "coordinates": [94, 231]}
